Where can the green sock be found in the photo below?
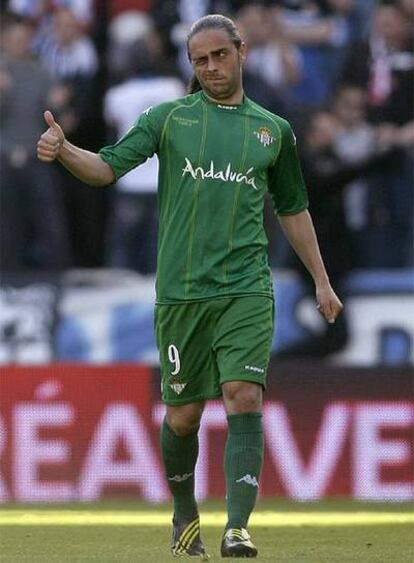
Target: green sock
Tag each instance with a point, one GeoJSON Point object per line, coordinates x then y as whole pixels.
{"type": "Point", "coordinates": [180, 455]}
{"type": "Point", "coordinates": [243, 461]}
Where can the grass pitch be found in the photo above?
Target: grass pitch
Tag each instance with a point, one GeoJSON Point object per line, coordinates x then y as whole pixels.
{"type": "Point", "coordinates": [130, 532]}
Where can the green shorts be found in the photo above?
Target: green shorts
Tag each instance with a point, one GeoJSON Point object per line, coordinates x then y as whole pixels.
{"type": "Point", "coordinates": [203, 344]}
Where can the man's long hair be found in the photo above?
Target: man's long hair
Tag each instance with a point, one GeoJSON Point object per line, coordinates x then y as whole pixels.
{"type": "Point", "coordinates": [212, 21]}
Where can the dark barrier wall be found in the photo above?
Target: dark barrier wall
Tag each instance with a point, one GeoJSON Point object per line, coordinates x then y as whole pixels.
{"type": "Point", "coordinates": [77, 432]}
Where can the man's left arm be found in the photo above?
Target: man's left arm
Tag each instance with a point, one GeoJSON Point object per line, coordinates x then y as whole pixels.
{"type": "Point", "coordinates": [300, 232]}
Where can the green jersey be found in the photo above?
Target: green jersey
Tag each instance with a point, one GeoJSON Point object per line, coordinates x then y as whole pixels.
{"type": "Point", "coordinates": [216, 162]}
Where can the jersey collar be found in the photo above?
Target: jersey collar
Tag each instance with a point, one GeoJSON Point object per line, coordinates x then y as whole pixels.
{"type": "Point", "coordinates": [227, 108]}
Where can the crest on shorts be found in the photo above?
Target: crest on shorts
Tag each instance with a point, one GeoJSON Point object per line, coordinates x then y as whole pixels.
{"type": "Point", "coordinates": [178, 387]}
{"type": "Point", "coordinates": [264, 135]}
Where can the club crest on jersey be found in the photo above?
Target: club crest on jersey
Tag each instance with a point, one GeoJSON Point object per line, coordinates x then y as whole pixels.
{"type": "Point", "coordinates": [265, 136]}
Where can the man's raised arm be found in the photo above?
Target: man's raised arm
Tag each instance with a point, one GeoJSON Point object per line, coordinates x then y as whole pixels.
{"type": "Point", "coordinates": [85, 165]}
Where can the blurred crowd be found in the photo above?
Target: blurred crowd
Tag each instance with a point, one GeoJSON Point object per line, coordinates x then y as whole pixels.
{"type": "Point", "coordinates": [340, 70]}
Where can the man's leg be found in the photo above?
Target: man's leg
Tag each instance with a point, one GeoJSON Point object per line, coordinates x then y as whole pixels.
{"type": "Point", "coordinates": [189, 376]}
{"type": "Point", "coordinates": [242, 463]}
{"type": "Point", "coordinates": [179, 446]}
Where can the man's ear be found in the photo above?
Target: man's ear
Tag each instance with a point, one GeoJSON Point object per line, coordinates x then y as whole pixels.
{"type": "Point", "coordinates": [243, 52]}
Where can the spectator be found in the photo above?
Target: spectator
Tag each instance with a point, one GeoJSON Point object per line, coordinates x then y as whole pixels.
{"type": "Point", "coordinates": [69, 51]}
{"type": "Point", "coordinates": [391, 231]}
{"type": "Point", "coordinates": [327, 172]}
{"type": "Point", "coordinates": [354, 143]}
{"type": "Point", "coordinates": [125, 31]}
{"type": "Point", "coordinates": [408, 8]}
{"type": "Point", "coordinates": [323, 31]}
{"type": "Point", "coordinates": [39, 10]}
{"type": "Point", "coordinates": [33, 227]}
{"type": "Point", "coordinates": [70, 56]}
{"type": "Point", "coordinates": [270, 54]}
{"type": "Point", "coordinates": [132, 240]}
{"type": "Point", "coordinates": [383, 65]}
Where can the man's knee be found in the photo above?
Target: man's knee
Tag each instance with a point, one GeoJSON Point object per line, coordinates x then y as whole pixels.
{"type": "Point", "coordinates": [184, 420]}
{"type": "Point", "coordinates": [242, 396]}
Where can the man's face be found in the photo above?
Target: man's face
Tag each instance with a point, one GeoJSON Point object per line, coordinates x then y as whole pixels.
{"type": "Point", "coordinates": [216, 62]}
{"type": "Point", "coordinates": [350, 106]}
{"type": "Point", "coordinates": [322, 131]}
{"type": "Point", "coordinates": [390, 24]}
{"type": "Point", "coordinates": [66, 27]}
{"type": "Point", "coordinates": [17, 41]}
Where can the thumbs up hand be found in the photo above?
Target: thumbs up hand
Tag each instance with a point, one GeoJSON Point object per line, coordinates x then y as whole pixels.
{"type": "Point", "coordinates": [51, 142]}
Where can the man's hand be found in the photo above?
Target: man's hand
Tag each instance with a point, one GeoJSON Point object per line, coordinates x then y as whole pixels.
{"type": "Point", "coordinates": [328, 303]}
{"type": "Point", "coordinates": [50, 143]}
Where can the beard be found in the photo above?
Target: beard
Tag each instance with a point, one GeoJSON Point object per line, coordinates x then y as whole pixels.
{"type": "Point", "coordinates": [220, 89]}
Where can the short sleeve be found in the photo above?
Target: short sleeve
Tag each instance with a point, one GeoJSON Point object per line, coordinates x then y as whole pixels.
{"type": "Point", "coordinates": [286, 184]}
{"type": "Point", "coordinates": [138, 144]}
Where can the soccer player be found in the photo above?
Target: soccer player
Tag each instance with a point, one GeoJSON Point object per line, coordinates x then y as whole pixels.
{"type": "Point", "coordinates": [219, 153]}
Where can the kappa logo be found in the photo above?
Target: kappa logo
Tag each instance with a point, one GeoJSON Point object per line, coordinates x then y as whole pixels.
{"type": "Point", "coordinates": [264, 135]}
{"type": "Point", "coordinates": [180, 478]}
{"type": "Point", "coordinates": [178, 387]}
{"type": "Point", "coordinates": [254, 368]}
{"type": "Point", "coordinates": [249, 480]}
{"type": "Point", "coordinates": [227, 107]}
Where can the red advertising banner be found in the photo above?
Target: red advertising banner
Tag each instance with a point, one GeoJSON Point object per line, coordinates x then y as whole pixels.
{"type": "Point", "coordinates": [77, 432]}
